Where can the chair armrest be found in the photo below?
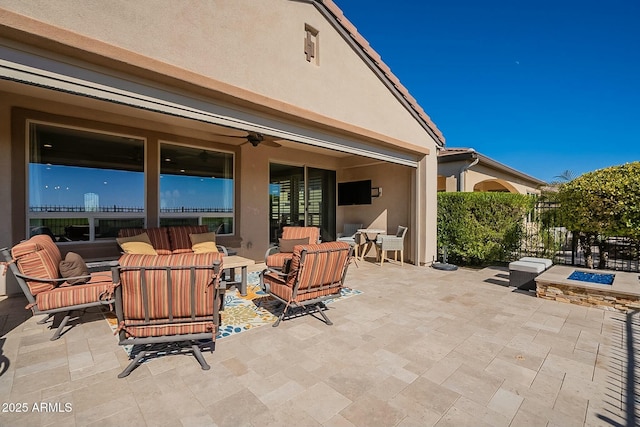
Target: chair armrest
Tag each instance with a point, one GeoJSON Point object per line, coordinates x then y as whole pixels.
{"type": "Point", "coordinates": [271, 250]}
{"type": "Point", "coordinates": [222, 249]}
{"type": "Point", "coordinates": [101, 265]}
{"type": "Point", "coordinates": [44, 280]}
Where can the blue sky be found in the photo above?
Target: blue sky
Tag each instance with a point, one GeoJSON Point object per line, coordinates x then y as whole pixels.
{"type": "Point", "coordinates": [541, 86]}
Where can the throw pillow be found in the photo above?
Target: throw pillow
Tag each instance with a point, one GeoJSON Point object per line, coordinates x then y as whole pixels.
{"type": "Point", "coordinates": [203, 242]}
{"type": "Point", "coordinates": [286, 245]}
{"type": "Point", "coordinates": [73, 266]}
{"type": "Point", "coordinates": [140, 245]}
{"type": "Point", "coordinates": [202, 237]}
{"type": "Point", "coordinates": [204, 247]}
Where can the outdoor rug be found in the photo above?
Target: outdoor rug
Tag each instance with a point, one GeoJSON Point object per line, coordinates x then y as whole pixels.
{"type": "Point", "coordinates": [240, 313]}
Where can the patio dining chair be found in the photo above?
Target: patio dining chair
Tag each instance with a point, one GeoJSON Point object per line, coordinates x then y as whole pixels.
{"type": "Point", "coordinates": [317, 273]}
{"type": "Point", "coordinates": [351, 236]}
{"type": "Point", "coordinates": [385, 243]}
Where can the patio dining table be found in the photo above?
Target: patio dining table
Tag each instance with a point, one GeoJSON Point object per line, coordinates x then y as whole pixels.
{"type": "Point", "coordinates": [370, 236]}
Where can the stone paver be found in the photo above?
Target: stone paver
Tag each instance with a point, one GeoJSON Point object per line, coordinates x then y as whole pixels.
{"type": "Point", "coordinates": [419, 347]}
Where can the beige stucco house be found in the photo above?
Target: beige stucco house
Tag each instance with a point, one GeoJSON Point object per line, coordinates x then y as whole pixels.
{"type": "Point", "coordinates": [464, 169]}
{"type": "Point", "coordinates": [244, 115]}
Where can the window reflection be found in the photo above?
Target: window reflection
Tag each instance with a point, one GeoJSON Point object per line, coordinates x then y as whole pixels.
{"type": "Point", "coordinates": [83, 185]}
{"type": "Point", "coordinates": [196, 187]}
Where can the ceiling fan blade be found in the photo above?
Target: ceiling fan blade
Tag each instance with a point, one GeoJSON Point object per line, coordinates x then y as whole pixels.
{"type": "Point", "coordinates": [271, 143]}
{"type": "Point", "coordinates": [253, 138]}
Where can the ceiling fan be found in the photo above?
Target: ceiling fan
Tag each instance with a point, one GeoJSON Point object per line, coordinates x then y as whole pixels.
{"type": "Point", "coordinates": [255, 139]}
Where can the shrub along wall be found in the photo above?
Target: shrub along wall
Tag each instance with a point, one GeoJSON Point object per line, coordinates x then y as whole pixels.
{"type": "Point", "coordinates": [481, 228]}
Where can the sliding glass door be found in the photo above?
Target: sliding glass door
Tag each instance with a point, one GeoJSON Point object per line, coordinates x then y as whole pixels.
{"type": "Point", "coordinates": [302, 196]}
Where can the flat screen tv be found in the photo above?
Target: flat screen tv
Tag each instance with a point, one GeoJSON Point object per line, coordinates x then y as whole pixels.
{"type": "Point", "coordinates": [354, 193]}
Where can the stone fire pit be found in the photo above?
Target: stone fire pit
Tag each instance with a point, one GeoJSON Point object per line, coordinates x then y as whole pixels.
{"type": "Point", "coordinates": [622, 295]}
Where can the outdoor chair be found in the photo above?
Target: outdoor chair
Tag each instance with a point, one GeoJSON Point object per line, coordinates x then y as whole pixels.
{"type": "Point", "coordinates": [351, 236]}
{"type": "Point", "coordinates": [317, 273]}
{"type": "Point", "coordinates": [385, 243]}
{"type": "Point", "coordinates": [36, 264]}
{"type": "Point", "coordinates": [278, 255]}
{"type": "Point", "coordinates": [165, 303]}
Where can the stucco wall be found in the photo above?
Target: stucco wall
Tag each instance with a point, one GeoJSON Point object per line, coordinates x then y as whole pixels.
{"type": "Point", "coordinates": [256, 45]}
{"type": "Point", "coordinates": [385, 212]}
{"type": "Point", "coordinates": [481, 173]}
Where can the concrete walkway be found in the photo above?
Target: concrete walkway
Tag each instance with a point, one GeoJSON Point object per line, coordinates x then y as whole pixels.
{"type": "Point", "coordinates": [419, 347]}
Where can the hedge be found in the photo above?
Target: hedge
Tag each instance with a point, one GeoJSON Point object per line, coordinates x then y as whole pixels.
{"type": "Point", "coordinates": [481, 228]}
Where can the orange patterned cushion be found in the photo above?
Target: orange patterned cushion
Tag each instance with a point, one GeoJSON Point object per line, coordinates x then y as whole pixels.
{"type": "Point", "coordinates": [313, 233]}
{"type": "Point", "coordinates": [277, 260]}
{"type": "Point", "coordinates": [65, 296]}
{"type": "Point", "coordinates": [206, 326]}
{"type": "Point", "coordinates": [159, 237]}
{"type": "Point", "coordinates": [179, 236]}
{"type": "Point", "coordinates": [38, 257]}
{"type": "Point", "coordinates": [160, 304]}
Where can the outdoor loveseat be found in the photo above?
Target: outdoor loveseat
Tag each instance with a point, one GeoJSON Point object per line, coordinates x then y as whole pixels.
{"type": "Point", "coordinates": [172, 240]}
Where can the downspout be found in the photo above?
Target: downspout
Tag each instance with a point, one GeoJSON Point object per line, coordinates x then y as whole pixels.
{"type": "Point", "coordinates": [463, 169]}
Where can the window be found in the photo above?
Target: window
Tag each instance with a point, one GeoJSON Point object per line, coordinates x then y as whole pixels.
{"type": "Point", "coordinates": [83, 184]}
{"type": "Point", "coordinates": [196, 187]}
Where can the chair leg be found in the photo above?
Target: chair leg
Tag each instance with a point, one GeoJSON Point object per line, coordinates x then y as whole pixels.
{"type": "Point", "coordinates": [45, 319]}
{"type": "Point", "coordinates": [198, 354]}
{"type": "Point", "coordinates": [320, 307]}
{"type": "Point", "coordinates": [277, 322]}
{"type": "Point", "coordinates": [58, 331]}
{"type": "Point", "coordinates": [382, 253]}
{"type": "Point", "coordinates": [401, 258]}
{"type": "Point", "coordinates": [133, 364]}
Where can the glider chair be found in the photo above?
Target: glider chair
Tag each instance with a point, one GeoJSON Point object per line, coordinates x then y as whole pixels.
{"type": "Point", "coordinates": [277, 256]}
{"type": "Point", "coordinates": [317, 273]}
{"type": "Point", "coordinates": [165, 303]}
{"type": "Point", "coordinates": [385, 243]}
{"type": "Point", "coordinates": [351, 236]}
{"type": "Point", "coordinates": [53, 284]}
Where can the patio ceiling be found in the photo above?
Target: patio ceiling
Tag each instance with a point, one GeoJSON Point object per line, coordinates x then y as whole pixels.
{"type": "Point", "coordinates": [94, 83]}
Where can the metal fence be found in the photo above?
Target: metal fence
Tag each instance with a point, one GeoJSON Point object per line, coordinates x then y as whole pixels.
{"type": "Point", "coordinates": [544, 237]}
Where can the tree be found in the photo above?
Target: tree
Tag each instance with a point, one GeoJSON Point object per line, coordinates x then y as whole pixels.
{"type": "Point", "coordinates": [564, 177]}
{"type": "Point", "coordinates": [602, 204]}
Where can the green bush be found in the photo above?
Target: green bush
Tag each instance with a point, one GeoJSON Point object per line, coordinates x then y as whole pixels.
{"type": "Point", "coordinates": [605, 202]}
{"type": "Point", "coordinates": [601, 204]}
{"type": "Point", "coordinates": [481, 228]}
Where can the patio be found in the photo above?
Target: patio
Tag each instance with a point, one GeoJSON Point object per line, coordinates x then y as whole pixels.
{"type": "Point", "coordinates": [419, 347]}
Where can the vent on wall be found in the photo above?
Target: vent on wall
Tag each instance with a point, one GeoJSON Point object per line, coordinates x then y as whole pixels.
{"type": "Point", "coordinates": [311, 44]}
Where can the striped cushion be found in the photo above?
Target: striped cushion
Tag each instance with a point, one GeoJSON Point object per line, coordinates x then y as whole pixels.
{"type": "Point", "coordinates": [206, 326]}
{"type": "Point", "coordinates": [68, 295]}
{"type": "Point", "coordinates": [313, 233]}
{"type": "Point", "coordinates": [280, 288]}
{"type": "Point", "coordinates": [38, 257]}
{"type": "Point", "coordinates": [179, 236]}
{"type": "Point", "coordinates": [158, 235]}
{"type": "Point", "coordinates": [158, 300]}
{"type": "Point", "coordinates": [277, 260]}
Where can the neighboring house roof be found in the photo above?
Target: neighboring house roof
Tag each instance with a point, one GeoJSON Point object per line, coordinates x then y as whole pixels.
{"type": "Point", "coordinates": [375, 58]}
{"type": "Point", "coordinates": [449, 155]}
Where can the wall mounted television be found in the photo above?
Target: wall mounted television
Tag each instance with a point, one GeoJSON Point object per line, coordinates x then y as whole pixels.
{"type": "Point", "coordinates": [354, 193]}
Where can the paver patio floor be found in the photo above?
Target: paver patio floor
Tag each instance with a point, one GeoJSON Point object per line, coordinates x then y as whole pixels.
{"type": "Point", "coordinates": [419, 347]}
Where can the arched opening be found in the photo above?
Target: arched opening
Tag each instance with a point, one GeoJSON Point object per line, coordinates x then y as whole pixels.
{"type": "Point", "coordinates": [495, 185]}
